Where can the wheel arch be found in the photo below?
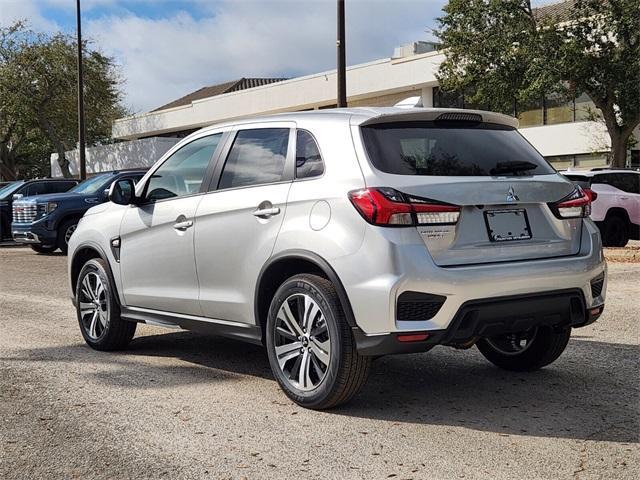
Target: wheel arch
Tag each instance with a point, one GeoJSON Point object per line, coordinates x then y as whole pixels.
{"type": "Point", "coordinates": [286, 264]}
{"type": "Point", "coordinates": [617, 212]}
{"type": "Point", "coordinates": [81, 255]}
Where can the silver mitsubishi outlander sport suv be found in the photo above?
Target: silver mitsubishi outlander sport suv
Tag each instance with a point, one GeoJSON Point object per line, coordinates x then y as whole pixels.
{"type": "Point", "coordinates": [337, 236]}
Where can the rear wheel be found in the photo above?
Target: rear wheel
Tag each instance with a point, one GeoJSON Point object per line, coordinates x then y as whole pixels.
{"type": "Point", "coordinates": [525, 351]}
{"type": "Point", "coordinates": [98, 310]}
{"type": "Point", "coordinates": [310, 345]}
{"type": "Point", "coordinates": [615, 231]}
{"type": "Point", "coordinates": [64, 233]}
{"type": "Point", "coordinates": [44, 248]}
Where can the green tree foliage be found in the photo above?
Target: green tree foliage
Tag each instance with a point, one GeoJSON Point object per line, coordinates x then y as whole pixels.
{"type": "Point", "coordinates": [503, 51]}
{"type": "Point", "coordinates": [38, 99]}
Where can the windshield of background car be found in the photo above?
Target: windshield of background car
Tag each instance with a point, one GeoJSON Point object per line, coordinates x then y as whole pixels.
{"type": "Point", "coordinates": [451, 149]}
{"type": "Point", "coordinates": [93, 184]}
{"type": "Point", "coordinates": [7, 190]}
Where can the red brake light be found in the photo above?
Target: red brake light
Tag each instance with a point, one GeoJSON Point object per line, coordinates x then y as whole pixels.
{"type": "Point", "coordinates": [575, 205]}
{"type": "Point", "coordinates": [388, 207]}
{"type": "Point", "coordinates": [591, 194]}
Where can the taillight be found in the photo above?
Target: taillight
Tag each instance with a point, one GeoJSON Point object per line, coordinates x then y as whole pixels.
{"type": "Point", "coordinates": [591, 194]}
{"type": "Point", "coordinates": [389, 207]}
{"type": "Point", "coordinates": [575, 205]}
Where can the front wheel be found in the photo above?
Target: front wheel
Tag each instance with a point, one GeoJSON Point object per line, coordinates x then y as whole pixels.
{"type": "Point", "coordinates": [98, 310]}
{"type": "Point", "coordinates": [525, 351]}
{"type": "Point", "coordinates": [310, 345]}
{"type": "Point", "coordinates": [64, 234]}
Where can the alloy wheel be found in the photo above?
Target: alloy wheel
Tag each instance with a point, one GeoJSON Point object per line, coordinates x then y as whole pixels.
{"type": "Point", "coordinates": [513, 343]}
{"type": "Point", "coordinates": [302, 342]}
{"type": "Point", "coordinates": [93, 304]}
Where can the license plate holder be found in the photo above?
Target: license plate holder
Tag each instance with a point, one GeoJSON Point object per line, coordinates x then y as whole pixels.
{"type": "Point", "coordinates": [507, 225]}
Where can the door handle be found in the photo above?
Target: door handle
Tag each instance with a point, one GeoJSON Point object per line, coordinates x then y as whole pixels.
{"type": "Point", "coordinates": [624, 198]}
{"type": "Point", "coordinates": [182, 226]}
{"type": "Point", "coordinates": [266, 212]}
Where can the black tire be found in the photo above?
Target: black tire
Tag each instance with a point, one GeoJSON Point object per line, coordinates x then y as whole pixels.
{"type": "Point", "coordinates": [44, 248]}
{"type": "Point", "coordinates": [65, 226]}
{"type": "Point", "coordinates": [115, 333]}
{"type": "Point", "coordinates": [546, 346]}
{"type": "Point", "coordinates": [615, 231]}
{"type": "Point", "coordinates": [346, 370]}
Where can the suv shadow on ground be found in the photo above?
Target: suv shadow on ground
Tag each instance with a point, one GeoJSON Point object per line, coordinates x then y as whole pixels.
{"type": "Point", "coordinates": [568, 400]}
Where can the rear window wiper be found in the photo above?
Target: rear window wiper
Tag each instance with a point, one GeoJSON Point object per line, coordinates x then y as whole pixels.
{"type": "Point", "coordinates": [512, 167]}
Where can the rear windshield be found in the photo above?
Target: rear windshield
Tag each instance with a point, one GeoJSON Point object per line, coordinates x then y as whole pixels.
{"type": "Point", "coordinates": [452, 149]}
{"type": "Point", "coordinates": [583, 181]}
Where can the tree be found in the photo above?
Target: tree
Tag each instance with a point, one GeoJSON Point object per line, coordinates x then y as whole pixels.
{"type": "Point", "coordinates": [38, 98]}
{"type": "Point", "coordinates": [503, 53]}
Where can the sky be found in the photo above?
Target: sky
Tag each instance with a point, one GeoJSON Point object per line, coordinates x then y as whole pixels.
{"type": "Point", "coordinates": [168, 48]}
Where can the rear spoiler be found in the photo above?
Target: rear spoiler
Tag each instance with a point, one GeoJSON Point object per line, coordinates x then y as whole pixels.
{"type": "Point", "coordinates": [430, 114]}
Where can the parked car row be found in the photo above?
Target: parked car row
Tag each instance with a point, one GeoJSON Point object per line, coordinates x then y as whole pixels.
{"type": "Point", "coordinates": [46, 221]}
{"type": "Point", "coordinates": [334, 237]}
{"type": "Point", "coordinates": [13, 191]}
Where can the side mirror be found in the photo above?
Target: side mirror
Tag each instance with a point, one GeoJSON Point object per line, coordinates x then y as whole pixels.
{"type": "Point", "coordinates": [123, 192]}
{"type": "Point", "coordinates": [17, 196]}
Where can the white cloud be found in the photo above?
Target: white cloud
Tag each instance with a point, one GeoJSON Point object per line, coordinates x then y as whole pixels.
{"type": "Point", "coordinates": [165, 58]}
{"type": "Point", "coordinates": [14, 10]}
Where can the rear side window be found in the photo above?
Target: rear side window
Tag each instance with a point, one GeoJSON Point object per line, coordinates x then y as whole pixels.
{"type": "Point", "coordinates": [451, 149]}
{"type": "Point", "coordinates": [257, 157]}
{"type": "Point", "coordinates": [308, 160]}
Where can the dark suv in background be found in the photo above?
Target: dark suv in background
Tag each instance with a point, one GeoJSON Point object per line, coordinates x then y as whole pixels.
{"type": "Point", "coordinates": [46, 222]}
{"type": "Point", "coordinates": [29, 188]}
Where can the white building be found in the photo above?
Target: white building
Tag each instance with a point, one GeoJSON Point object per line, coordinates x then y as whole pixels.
{"type": "Point", "coordinates": [562, 132]}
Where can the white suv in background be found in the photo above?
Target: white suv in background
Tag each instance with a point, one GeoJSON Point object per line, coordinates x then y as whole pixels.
{"type": "Point", "coordinates": [616, 204]}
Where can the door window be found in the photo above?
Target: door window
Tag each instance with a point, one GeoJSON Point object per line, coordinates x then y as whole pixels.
{"type": "Point", "coordinates": [308, 159]}
{"type": "Point", "coordinates": [183, 172]}
{"type": "Point", "coordinates": [630, 182]}
{"type": "Point", "coordinates": [257, 157]}
{"type": "Point", "coordinates": [38, 188]}
{"type": "Point", "coordinates": [621, 181]}
{"type": "Point", "coordinates": [60, 187]}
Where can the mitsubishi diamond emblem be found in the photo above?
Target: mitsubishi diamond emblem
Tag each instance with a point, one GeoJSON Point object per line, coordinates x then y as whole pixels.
{"type": "Point", "coordinates": [511, 195]}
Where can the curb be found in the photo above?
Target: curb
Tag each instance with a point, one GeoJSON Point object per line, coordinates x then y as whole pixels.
{"type": "Point", "coordinates": [628, 255]}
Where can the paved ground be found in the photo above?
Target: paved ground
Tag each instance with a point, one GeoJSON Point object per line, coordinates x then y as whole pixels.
{"type": "Point", "coordinates": [177, 405]}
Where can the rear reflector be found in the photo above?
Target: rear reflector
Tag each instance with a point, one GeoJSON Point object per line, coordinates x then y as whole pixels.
{"type": "Point", "coordinates": [575, 205]}
{"type": "Point", "coordinates": [388, 207]}
{"type": "Point", "coordinates": [413, 337]}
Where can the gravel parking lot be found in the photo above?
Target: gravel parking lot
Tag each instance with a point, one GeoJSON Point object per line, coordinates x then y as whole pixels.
{"type": "Point", "coordinates": [178, 405]}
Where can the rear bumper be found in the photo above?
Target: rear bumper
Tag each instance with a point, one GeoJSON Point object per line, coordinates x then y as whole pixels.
{"type": "Point", "coordinates": [403, 264]}
{"type": "Point", "coordinates": [489, 317]}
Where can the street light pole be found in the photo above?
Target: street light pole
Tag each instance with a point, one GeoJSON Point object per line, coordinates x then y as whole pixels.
{"type": "Point", "coordinates": [342, 61]}
{"type": "Point", "coordinates": [81, 142]}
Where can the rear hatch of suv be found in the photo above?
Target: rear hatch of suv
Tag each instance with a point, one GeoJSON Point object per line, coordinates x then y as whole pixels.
{"type": "Point", "coordinates": [476, 190]}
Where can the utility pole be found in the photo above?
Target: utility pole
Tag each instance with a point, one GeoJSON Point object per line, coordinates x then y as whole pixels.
{"type": "Point", "coordinates": [342, 61]}
{"type": "Point", "coordinates": [81, 142]}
